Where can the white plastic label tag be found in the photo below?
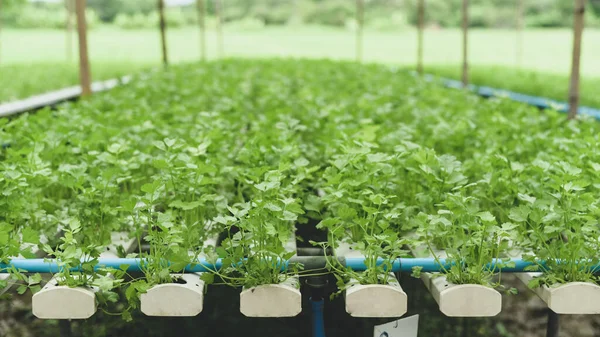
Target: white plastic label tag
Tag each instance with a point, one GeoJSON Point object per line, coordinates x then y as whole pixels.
{"type": "Point", "coordinates": [404, 327]}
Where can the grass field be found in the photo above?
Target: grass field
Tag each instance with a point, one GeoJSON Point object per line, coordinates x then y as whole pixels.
{"type": "Point", "coordinates": [545, 50]}
{"type": "Point", "coordinates": [32, 61]}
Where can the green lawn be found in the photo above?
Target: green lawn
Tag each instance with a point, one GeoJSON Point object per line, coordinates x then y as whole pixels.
{"type": "Point", "coordinates": [545, 50]}
{"type": "Point", "coordinates": [545, 63]}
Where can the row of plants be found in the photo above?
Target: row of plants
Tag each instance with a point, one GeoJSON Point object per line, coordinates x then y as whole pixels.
{"type": "Point", "coordinates": [253, 150]}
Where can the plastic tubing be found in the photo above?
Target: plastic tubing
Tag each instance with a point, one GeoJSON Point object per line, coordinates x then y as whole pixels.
{"type": "Point", "coordinates": [202, 265]}
{"type": "Point", "coordinates": [318, 322]}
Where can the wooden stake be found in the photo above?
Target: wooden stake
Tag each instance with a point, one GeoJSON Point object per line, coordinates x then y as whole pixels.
{"type": "Point", "coordinates": [360, 18]}
{"type": "Point", "coordinates": [202, 25]}
{"type": "Point", "coordinates": [575, 65]}
{"type": "Point", "coordinates": [69, 30]}
{"type": "Point", "coordinates": [84, 64]}
{"type": "Point", "coordinates": [420, 28]}
{"type": "Point", "coordinates": [219, 13]}
{"type": "Point", "coordinates": [163, 36]}
{"type": "Point", "coordinates": [520, 26]}
{"type": "Point", "coordinates": [465, 29]}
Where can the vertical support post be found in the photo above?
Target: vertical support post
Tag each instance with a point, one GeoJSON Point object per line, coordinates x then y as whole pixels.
{"type": "Point", "coordinates": [68, 30]}
{"type": "Point", "coordinates": [360, 18]}
{"type": "Point", "coordinates": [553, 324]}
{"type": "Point", "coordinates": [575, 64]}
{"type": "Point", "coordinates": [202, 24]}
{"type": "Point", "coordinates": [84, 64]}
{"type": "Point", "coordinates": [520, 25]}
{"type": "Point", "coordinates": [64, 325]}
{"type": "Point", "coordinates": [465, 33]}
{"type": "Point", "coordinates": [219, 13]}
{"type": "Point", "coordinates": [420, 28]}
{"type": "Point", "coordinates": [163, 35]}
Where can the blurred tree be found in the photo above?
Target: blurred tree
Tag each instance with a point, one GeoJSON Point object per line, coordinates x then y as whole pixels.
{"type": "Point", "coordinates": [108, 10]}
{"type": "Point", "coordinates": [595, 6]}
{"type": "Point", "coordinates": [380, 14]}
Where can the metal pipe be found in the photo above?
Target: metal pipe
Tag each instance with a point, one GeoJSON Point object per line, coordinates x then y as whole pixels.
{"type": "Point", "coordinates": [314, 262]}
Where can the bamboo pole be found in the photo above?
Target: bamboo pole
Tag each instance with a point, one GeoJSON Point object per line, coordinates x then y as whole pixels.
{"type": "Point", "coordinates": [202, 24]}
{"type": "Point", "coordinates": [69, 30]}
{"type": "Point", "coordinates": [219, 13]}
{"type": "Point", "coordinates": [420, 28]}
{"type": "Point", "coordinates": [163, 36]}
{"type": "Point", "coordinates": [465, 30]}
{"type": "Point", "coordinates": [520, 27]}
{"type": "Point", "coordinates": [84, 64]}
{"type": "Point", "coordinates": [576, 61]}
{"type": "Point", "coordinates": [360, 18]}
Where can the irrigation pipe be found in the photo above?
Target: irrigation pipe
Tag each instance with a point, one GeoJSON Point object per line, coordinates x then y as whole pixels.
{"type": "Point", "coordinates": [55, 97]}
{"type": "Point", "coordinates": [310, 262]}
{"type": "Point", "coordinates": [539, 102]}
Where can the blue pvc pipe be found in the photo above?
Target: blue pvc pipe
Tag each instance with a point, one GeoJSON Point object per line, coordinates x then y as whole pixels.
{"type": "Point", "coordinates": [540, 102]}
{"type": "Point", "coordinates": [318, 321]}
{"type": "Point", "coordinates": [133, 265]}
{"type": "Point", "coordinates": [358, 264]}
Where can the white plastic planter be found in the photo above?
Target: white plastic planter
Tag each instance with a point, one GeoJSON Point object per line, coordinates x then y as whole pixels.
{"type": "Point", "coordinates": [183, 299]}
{"type": "Point", "coordinates": [63, 302]}
{"type": "Point", "coordinates": [273, 300]}
{"type": "Point", "coordinates": [576, 298]}
{"type": "Point", "coordinates": [461, 300]}
{"type": "Point", "coordinates": [569, 298]}
{"type": "Point", "coordinates": [376, 300]}
{"type": "Point", "coordinates": [175, 299]}
{"type": "Point", "coordinates": [372, 300]}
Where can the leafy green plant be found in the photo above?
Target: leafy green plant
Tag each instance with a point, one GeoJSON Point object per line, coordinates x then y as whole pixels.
{"type": "Point", "coordinates": [256, 149]}
{"type": "Point", "coordinates": [362, 208]}
{"type": "Point", "coordinates": [560, 226]}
